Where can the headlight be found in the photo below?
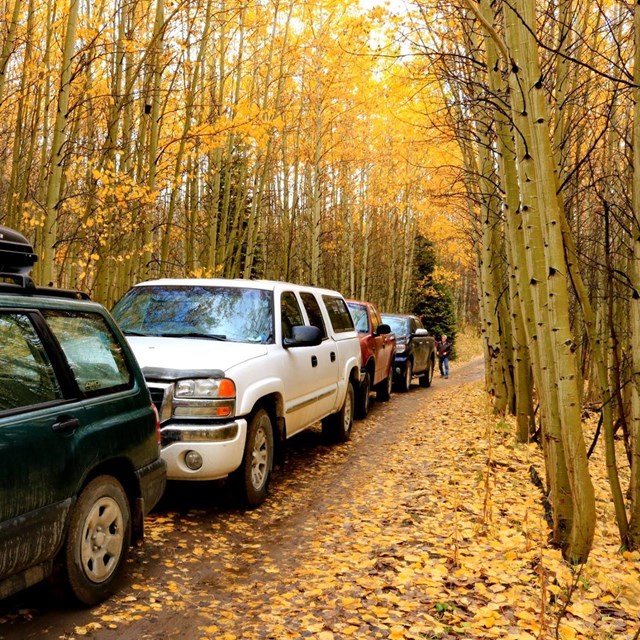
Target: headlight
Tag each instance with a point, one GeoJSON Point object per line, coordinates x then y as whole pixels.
{"type": "Point", "coordinates": [205, 388]}
{"type": "Point", "coordinates": [401, 347]}
{"type": "Point", "coordinates": [204, 398]}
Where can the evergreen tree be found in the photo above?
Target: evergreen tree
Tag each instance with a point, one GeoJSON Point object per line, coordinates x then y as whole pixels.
{"type": "Point", "coordinates": [433, 300]}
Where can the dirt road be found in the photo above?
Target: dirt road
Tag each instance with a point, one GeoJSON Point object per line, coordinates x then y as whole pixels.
{"type": "Point", "coordinates": [208, 570]}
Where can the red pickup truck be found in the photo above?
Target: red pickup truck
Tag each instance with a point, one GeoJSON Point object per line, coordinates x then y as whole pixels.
{"type": "Point", "coordinates": [378, 348]}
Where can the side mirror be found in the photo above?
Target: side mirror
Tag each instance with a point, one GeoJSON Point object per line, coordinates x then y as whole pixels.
{"type": "Point", "coordinates": [303, 336]}
{"type": "Point", "coordinates": [383, 329]}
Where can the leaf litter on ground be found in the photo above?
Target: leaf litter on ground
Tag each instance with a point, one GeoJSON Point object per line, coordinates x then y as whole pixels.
{"type": "Point", "coordinates": [437, 531]}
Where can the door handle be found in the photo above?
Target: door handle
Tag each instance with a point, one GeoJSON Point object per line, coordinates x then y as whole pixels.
{"type": "Point", "coordinates": [65, 424]}
{"type": "Point", "coordinates": [314, 361]}
{"type": "Point", "coordinates": [333, 356]}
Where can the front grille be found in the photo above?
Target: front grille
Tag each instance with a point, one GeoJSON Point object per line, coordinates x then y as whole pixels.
{"type": "Point", "coordinates": [157, 397]}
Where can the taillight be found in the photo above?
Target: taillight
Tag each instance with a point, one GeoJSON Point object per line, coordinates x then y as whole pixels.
{"type": "Point", "coordinates": [155, 413]}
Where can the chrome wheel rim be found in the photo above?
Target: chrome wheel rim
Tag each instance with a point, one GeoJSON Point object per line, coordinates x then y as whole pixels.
{"type": "Point", "coordinates": [102, 540]}
{"type": "Point", "coordinates": [347, 413]}
{"type": "Point", "coordinates": [259, 458]}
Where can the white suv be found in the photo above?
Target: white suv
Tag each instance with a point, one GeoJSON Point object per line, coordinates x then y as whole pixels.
{"type": "Point", "coordinates": [235, 367]}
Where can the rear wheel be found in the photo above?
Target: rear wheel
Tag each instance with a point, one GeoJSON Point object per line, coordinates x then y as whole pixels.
{"type": "Point", "coordinates": [364, 397]}
{"type": "Point", "coordinates": [252, 478]}
{"type": "Point", "coordinates": [97, 544]}
{"type": "Point", "coordinates": [337, 427]}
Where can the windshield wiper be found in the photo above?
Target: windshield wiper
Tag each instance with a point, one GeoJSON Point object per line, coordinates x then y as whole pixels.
{"type": "Point", "coordinates": [127, 332]}
{"type": "Point", "coordinates": [194, 334]}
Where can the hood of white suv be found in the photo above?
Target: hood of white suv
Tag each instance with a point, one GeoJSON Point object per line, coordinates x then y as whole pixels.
{"type": "Point", "coordinates": [192, 353]}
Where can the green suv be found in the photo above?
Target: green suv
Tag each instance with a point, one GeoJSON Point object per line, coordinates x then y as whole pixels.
{"type": "Point", "coordinates": [80, 461]}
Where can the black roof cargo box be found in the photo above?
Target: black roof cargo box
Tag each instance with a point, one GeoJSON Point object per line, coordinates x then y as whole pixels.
{"type": "Point", "coordinates": [16, 260]}
{"type": "Point", "coordinates": [16, 253]}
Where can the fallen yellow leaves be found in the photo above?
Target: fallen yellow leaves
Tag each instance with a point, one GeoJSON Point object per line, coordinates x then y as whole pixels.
{"type": "Point", "coordinates": [402, 547]}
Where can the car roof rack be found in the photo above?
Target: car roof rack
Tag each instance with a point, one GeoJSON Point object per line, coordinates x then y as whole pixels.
{"type": "Point", "coordinates": [16, 261]}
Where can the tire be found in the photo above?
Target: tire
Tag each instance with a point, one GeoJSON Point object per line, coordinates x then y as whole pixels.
{"type": "Point", "coordinates": [252, 478]}
{"type": "Point", "coordinates": [338, 426]}
{"type": "Point", "coordinates": [383, 390]}
{"type": "Point", "coordinates": [364, 397]}
{"type": "Point", "coordinates": [97, 544]}
{"type": "Point", "coordinates": [405, 381]}
{"type": "Point", "coordinates": [426, 379]}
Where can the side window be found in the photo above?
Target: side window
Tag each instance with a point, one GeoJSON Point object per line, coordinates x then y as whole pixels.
{"type": "Point", "coordinates": [290, 313]}
{"type": "Point", "coordinates": [341, 319]}
{"type": "Point", "coordinates": [27, 377]}
{"type": "Point", "coordinates": [313, 311]}
{"type": "Point", "coordinates": [93, 352]}
{"type": "Point", "coordinates": [375, 320]}
{"type": "Point", "coordinates": [414, 324]}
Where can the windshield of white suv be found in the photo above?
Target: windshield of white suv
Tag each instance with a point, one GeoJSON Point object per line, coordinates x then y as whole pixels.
{"type": "Point", "coordinates": [234, 314]}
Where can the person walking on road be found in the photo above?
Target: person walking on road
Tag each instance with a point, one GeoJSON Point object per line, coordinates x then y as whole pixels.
{"type": "Point", "coordinates": [443, 349]}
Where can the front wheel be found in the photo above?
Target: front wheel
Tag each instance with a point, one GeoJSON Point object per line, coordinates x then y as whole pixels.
{"type": "Point", "coordinates": [252, 478]}
{"type": "Point", "coordinates": [97, 544]}
{"type": "Point", "coordinates": [337, 427]}
{"type": "Point", "coordinates": [383, 391]}
{"type": "Point", "coordinates": [426, 379]}
{"type": "Point", "coordinates": [405, 382]}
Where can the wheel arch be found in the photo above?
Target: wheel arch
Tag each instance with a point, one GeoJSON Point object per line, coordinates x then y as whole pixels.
{"type": "Point", "coordinates": [370, 368]}
{"type": "Point", "coordinates": [273, 404]}
{"type": "Point", "coordinates": [123, 471]}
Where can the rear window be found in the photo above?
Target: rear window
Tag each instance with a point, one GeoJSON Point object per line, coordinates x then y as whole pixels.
{"type": "Point", "coordinates": [341, 319]}
{"type": "Point", "coordinates": [92, 351]}
{"type": "Point", "coordinates": [313, 310]}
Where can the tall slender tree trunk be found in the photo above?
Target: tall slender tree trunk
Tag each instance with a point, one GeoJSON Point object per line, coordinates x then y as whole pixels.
{"type": "Point", "coordinates": [634, 525]}
{"type": "Point", "coordinates": [581, 532]}
{"type": "Point", "coordinates": [54, 187]}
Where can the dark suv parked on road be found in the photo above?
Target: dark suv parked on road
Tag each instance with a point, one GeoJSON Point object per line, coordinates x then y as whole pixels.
{"type": "Point", "coordinates": [415, 350]}
{"type": "Point", "coordinates": [79, 438]}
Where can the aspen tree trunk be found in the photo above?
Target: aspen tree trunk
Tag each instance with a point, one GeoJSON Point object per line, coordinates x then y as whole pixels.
{"type": "Point", "coordinates": [536, 283]}
{"type": "Point", "coordinates": [365, 227]}
{"type": "Point", "coordinates": [352, 258]}
{"type": "Point", "coordinates": [54, 187]}
{"type": "Point", "coordinates": [490, 256]}
{"type": "Point", "coordinates": [8, 45]}
{"type": "Point", "coordinates": [598, 350]}
{"type": "Point", "coordinates": [256, 205]}
{"type": "Point", "coordinates": [19, 177]}
{"type": "Point", "coordinates": [146, 250]}
{"type": "Point", "coordinates": [316, 191]}
{"type": "Point", "coordinates": [224, 244]}
{"type": "Point", "coordinates": [580, 536]}
{"type": "Point", "coordinates": [45, 133]}
{"type": "Point", "coordinates": [634, 524]}
{"type": "Point", "coordinates": [167, 239]}
{"type": "Point", "coordinates": [480, 182]}
{"type": "Point", "coordinates": [525, 347]}
{"type": "Point", "coordinates": [409, 233]}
